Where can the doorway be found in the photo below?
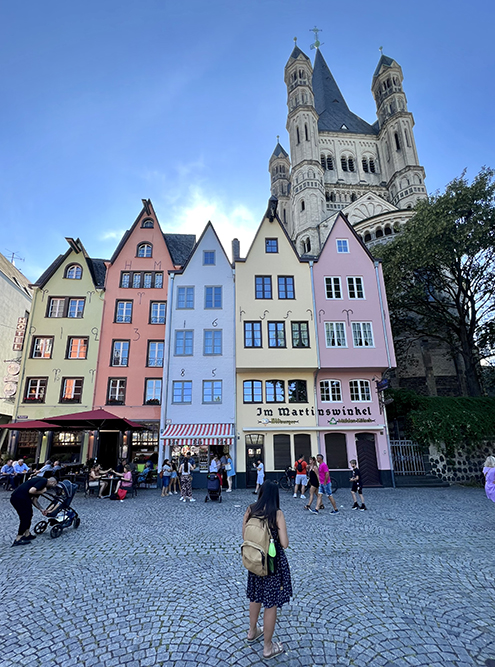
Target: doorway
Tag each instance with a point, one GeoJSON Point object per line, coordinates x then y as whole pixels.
{"type": "Point", "coordinates": [254, 452]}
{"type": "Point", "coordinates": [108, 450]}
{"type": "Point", "coordinates": [367, 464]}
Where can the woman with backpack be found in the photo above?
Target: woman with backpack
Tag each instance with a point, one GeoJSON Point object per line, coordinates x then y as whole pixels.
{"type": "Point", "coordinates": [275, 589]}
{"type": "Point", "coordinates": [185, 470]}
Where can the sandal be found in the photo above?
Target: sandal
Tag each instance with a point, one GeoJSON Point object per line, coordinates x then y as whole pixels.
{"type": "Point", "coordinates": [306, 507]}
{"type": "Point", "coordinates": [258, 633]}
{"type": "Point", "coordinates": [277, 649]}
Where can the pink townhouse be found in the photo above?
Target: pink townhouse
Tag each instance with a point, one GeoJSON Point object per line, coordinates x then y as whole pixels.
{"type": "Point", "coordinates": [355, 350]}
{"type": "Point", "coordinates": [129, 376]}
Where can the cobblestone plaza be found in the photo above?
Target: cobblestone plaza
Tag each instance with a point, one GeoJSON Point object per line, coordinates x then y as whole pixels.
{"type": "Point", "coordinates": [153, 581]}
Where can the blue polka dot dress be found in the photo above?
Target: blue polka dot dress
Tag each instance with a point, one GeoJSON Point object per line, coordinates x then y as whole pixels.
{"type": "Point", "coordinates": [274, 589]}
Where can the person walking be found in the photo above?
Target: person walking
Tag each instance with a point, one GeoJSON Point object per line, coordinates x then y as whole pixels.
{"type": "Point", "coordinates": [301, 467]}
{"type": "Point", "coordinates": [357, 487]}
{"type": "Point", "coordinates": [260, 468]}
{"type": "Point", "coordinates": [185, 472]}
{"type": "Point", "coordinates": [325, 485]}
{"type": "Point", "coordinates": [166, 474]}
{"type": "Point", "coordinates": [229, 467]}
{"type": "Point", "coordinates": [22, 500]}
{"type": "Point", "coordinates": [274, 590]}
{"type": "Point", "coordinates": [314, 483]}
{"type": "Point", "coordinates": [489, 473]}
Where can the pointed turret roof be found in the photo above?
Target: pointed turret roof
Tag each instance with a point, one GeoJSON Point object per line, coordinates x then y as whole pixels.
{"type": "Point", "coordinates": [278, 152]}
{"type": "Point", "coordinates": [296, 53]}
{"type": "Point", "coordinates": [334, 114]}
{"type": "Point", "coordinates": [384, 61]}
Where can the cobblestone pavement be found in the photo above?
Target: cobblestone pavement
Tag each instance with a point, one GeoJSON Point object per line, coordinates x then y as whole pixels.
{"type": "Point", "coordinates": [153, 581]}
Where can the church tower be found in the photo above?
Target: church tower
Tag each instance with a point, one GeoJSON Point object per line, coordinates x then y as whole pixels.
{"type": "Point", "coordinates": [307, 188]}
{"type": "Point", "coordinates": [279, 168]}
{"type": "Point", "coordinates": [400, 164]}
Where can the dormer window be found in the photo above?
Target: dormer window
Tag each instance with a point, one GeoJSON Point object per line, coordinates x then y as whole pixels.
{"type": "Point", "coordinates": [148, 224]}
{"type": "Point", "coordinates": [208, 258]}
{"type": "Point", "coordinates": [271, 245]}
{"type": "Point", "coordinates": [342, 246]}
{"type": "Point", "coordinates": [144, 250]}
{"type": "Point", "coordinates": [73, 272]}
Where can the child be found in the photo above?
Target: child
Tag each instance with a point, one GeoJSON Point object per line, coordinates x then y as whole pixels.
{"type": "Point", "coordinates": [356, 487]}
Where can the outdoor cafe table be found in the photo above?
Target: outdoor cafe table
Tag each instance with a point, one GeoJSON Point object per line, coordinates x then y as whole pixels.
{"type": "Point", "coordinates": [111, 480]}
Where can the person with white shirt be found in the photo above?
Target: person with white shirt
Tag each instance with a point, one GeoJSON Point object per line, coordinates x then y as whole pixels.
{"type": "Point", "coordinates": [261, 475]}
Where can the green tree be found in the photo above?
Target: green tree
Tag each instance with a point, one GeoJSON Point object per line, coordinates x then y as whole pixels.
{"type": "Point", "coordinates": [440, 273]}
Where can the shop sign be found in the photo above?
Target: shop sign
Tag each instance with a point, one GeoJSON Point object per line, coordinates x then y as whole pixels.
{"type": "Point", "coordinates": [20, 333]}
{"type": "Point", "coordinates": [285, 412]}
{"type": "Point", "coordinates": [11, 380]}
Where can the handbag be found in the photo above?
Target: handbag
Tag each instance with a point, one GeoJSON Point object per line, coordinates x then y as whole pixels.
{"type": "Point", "coordinates": [160, 474]}
{"type": "Point", "coordinates": [121, 493]}
{"type": "Point", "coordinates": [228, 466]}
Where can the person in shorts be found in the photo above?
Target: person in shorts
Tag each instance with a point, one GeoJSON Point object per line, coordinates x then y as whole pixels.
{"type": "Point", "coordinates": [300, 466]}
{"type": "Point", "coordinates": [356, 487]}
{"type": "Point", "coordinates": [325, 485]}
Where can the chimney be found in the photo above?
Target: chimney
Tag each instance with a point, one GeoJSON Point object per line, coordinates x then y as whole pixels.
{"type": "Point", "coordinates": [236, 250]}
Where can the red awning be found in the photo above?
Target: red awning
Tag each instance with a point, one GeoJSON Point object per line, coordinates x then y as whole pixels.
{"type": "Point", "coordinates": [32, 425]}
{"type": "Point", "coordinates": [199, 434]}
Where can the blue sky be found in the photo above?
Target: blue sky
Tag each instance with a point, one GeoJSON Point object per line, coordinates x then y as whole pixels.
{"type": "Point", "coordinates": [106, 102]}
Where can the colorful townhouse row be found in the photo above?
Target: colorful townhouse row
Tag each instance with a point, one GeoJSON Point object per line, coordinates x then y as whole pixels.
{"type": "Point", "coordinates": [269, 357]}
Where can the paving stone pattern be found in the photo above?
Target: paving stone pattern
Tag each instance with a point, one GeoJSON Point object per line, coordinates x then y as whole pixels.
{"type": "Point", "coordinates": [154, 581]}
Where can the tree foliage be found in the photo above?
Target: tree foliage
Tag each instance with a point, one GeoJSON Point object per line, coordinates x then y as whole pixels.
{"type": "Point", "coordinates": [440, 273]}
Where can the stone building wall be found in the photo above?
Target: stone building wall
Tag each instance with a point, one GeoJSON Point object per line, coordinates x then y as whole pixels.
{"type": "Point", "coordinates": [464, 467]}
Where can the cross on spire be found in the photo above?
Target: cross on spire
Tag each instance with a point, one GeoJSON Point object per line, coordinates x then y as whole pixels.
{"type": "Point", "coordinates": [380, 48]}
{"type": "Point", "coordinates": [317, 42]}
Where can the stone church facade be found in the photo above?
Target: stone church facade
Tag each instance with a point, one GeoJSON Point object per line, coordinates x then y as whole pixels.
{"type": "Point", "coordinates": [371, 172]}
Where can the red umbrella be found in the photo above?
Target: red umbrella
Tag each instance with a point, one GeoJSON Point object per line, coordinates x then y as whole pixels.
{"type": "Point", "coordinates": [95, 419]}
{"type": "Point", "coordinates": [32, 425]}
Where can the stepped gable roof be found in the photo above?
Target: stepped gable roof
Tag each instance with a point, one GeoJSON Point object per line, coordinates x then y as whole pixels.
{"type": "Point", "coordinates": [384, 61]}
{"type": "Point", "coordinates": [279, 152]}
{"type": "Point", "coordinates": [334, 114]}
{"type": "Point", "coordinates": [12, 273]}
{"type": "Point", "coordinates": [180, 247]}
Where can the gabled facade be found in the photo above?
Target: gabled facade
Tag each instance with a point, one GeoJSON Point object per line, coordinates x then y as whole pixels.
{"type": "Point", "coordinates": [276, 354]}
{"type": "Point", "coordinates": [15, 304]}
{"type": "Point", "coordinates": [356, 348]}
{"type": "Point", "coordinates": [198, 413]}
{"type": "Point", "coordinates": [59, 360]}
{"type": "Point", "coordinates": [130, 362]}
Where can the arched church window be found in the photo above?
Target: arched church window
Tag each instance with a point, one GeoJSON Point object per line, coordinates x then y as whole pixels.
{"type": "Point", "coordinates": [372, 165]}
{"type": "Point", "coordinates": [303, 205]}
{"type": "Point", "coordinates": [379, 233]}
{"type": "Point", "coordinates": [350, 162]}
{"type": "Point", "coordinates": [365, 165]}
{"type": "Point", "coordinates": [367, 237]}
{"type": "Point", "coordinates": [407, 138]}
{"type": "Point", "coordinates": [311, 174]}
{"type": "Point", "coordinates": [388, 230]}
{"type": "Point", "coordinates": [285, 216]}
{"type": "Point", "coordinates": [306, 245]}
{"type": "Point", "coordinates": [329, 163]}
{"type": "Point", "coordinates": [323, 161]}
{"type": "Point", "coordinates": [306, 133]}
{"type": "Point", "coordinates": [353, 196]}
{"type": "Point", "coordinates": [301, 74]}
{"type": "Point", "coordinates": [397, 142]}
{"type": "Point", "coordinates": [343, 162]}
{"type": "Point", "coordinates": [327, 196]}
{"type": "Point", "coordinates": [297, 135]}
{"type": "Point", "coordinates": [417, 179]}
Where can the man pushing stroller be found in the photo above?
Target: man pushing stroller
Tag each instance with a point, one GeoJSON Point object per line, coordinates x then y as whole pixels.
{"type": "Point", "coordinates": [22, 500]}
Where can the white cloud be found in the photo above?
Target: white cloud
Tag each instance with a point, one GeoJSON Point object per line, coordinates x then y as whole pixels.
{"type": "Point", "coordinates": [229, 220]}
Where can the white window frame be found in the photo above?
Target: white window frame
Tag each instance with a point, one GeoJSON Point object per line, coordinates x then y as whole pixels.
{"type": "Point", "coordinates": [362, 334]}
{"type": "Point", "coordinates": [333, 389]}
{"type": "Point", "coordinates": [124, 317]}
{"type": "Point", "coordinates": [334, 282]}
{"type": "Point", "coordinates": [342, 246]}
{"type": "Point", "coordinates": [153, 383]}
{"type": "Point", "coordinates": [159, 305]}
{"type": "Point", "coordinates": [360, 389]}
{"type": "Point", "coordinates": [337, 331]}
{"type": "Point", "coordinates": [355, 284]}
{"type": "Point", "coordinates": [58, 310]}
{"type": "Point", "coordinates": [43, 347]}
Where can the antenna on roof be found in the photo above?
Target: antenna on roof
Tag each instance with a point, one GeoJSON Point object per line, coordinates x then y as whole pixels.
{"type": "Point", "coordinates": [316, 43]}
{"type": "Point", "coordinates": [14, 256]}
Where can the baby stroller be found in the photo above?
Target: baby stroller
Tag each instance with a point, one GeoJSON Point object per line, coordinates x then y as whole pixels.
{"type": "Point", "coordinates": [59, 514]}
{"type": "Point", "coordinates": [214, 488]}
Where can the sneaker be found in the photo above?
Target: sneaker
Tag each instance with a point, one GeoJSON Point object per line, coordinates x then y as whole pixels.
{"type": "Point", "coordinates": [17, 543]}
{"type": "Point", "coordinates": [363, 507]}
{"type": "Point", "coordinates": [334, 511]}
{"type": "Point", "coordinates": [295, 495]}
{"type": "Point", "coordinates": [355, 507]}
{"type": "Point", "coordinates": [192, 500]}
{"type": "Point", "coordinates": [29, 537]}
{"type": "Point", "coordinates": [255, 493]}
{"type": "Point", "coordinates": [121, 501]}
{"type": "Point", "coordinates": [303, 497]}
{"type": "Point", "coordinates": [175, 493]}
{"type": "Point", "coordinates": [312, 510]}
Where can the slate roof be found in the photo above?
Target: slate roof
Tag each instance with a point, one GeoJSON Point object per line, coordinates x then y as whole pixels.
{"type": "Point", "coordinates": [279, 151]}
{"type": "Point", "coordinates": [384, 60]}
{"type": "Point", "coordinates": [99, 271]}
{"type": "Point", "coordinates": [296, 53]}
{"type": "Point", "coordinates": [180, 247]}
{"type": "Point", "coordinates": [14, 275]}
{"type": "Point", "coordinates": [330, 105]}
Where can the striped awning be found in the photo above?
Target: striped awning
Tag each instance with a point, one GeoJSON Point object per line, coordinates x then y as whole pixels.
{"type": "Point", "coordinates": [198, 434]}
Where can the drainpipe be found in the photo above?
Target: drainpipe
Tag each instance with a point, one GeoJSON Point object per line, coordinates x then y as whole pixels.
{"type": "Point", "coordinates": [234, 452]}
{"type": "Point", "coordinates": [168, 322]}
{"type": "Point", "coordinates": [317, 347]}
{"type": "Point", "coordinates": [387, 349]}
